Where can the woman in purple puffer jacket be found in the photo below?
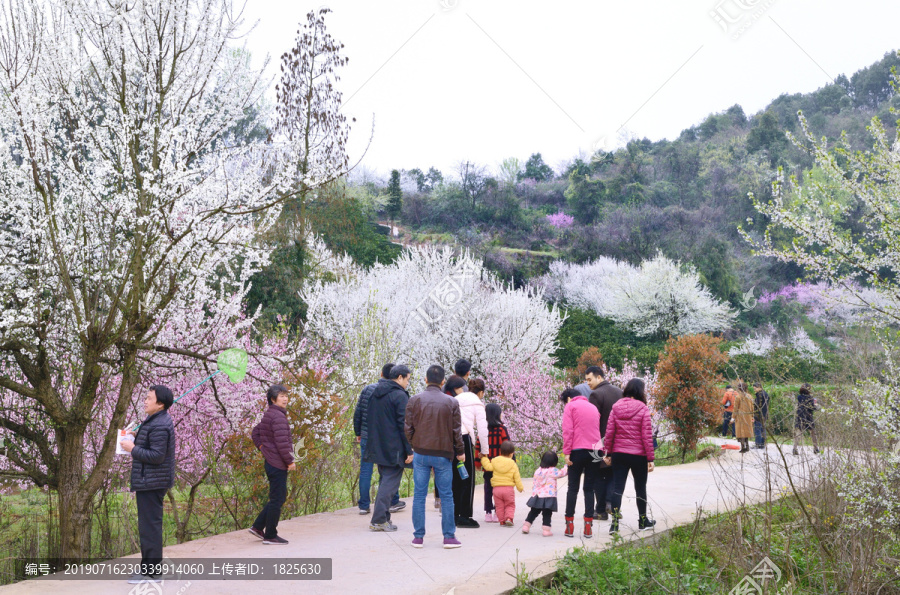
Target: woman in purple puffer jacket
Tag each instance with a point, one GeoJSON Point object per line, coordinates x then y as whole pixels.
{"type": "Point", "coordinates": [629, 440]}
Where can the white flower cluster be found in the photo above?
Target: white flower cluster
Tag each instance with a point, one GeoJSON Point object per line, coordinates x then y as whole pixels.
{"type": "Point", "coordinates": [429, 307]}
{"type": "Point", "coordinates": [763, 343]}
{"type": "Point", "coordinates": [757, 344]}
{"type": "Point", "coordinates": [659, 296]}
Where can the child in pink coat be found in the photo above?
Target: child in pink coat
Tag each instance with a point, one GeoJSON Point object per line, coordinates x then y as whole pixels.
{"type": "Point", "coordinates": [543, 492]}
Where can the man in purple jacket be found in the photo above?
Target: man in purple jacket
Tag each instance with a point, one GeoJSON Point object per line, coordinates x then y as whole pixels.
{"type": "Point", "coordinates": [273, 437]}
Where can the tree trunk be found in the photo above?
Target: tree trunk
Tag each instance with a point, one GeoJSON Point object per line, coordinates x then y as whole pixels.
{"type": "Point", "coordinates": [74, 501]}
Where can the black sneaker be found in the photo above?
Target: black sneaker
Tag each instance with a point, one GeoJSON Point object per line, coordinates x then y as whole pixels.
{"type": "Point", "coordinates": [645, 523]}
{"type": "Point", "coordinates": [614, 527]}
{"type": "Point", "coordinates": [257, 532]}
{"type": "Point", "coordinates": [397, 507]}
{"type": "Point", "coordinates": [466, 523]}
{"type": "Point", "coordinates": [601, 516]}
{"type": "Point", "coordinates": [275, 541]}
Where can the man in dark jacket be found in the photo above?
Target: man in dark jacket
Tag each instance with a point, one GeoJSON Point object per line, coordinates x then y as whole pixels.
{"type": "Point", "coordinates": [152, 474]}
{"type": "Point", "coordinates": [360, 428]}
{"type": "Point", "coordinates": [434, 428]}
{"type": "Point", "coordinates": [603, 396]}
{"type": "Point", "coordinates": [273, 437]}
{"type": "Point", "coordinates": [760, 415]}
{"type": "Point", "coordinates": [386, 443]}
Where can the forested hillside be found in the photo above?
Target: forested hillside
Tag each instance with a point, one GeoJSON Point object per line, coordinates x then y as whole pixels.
{"type": "Point", "coordinates": [684, 197]}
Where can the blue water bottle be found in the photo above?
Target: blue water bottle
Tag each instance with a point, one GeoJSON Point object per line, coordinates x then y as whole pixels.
{"type": "Point", "coordinates": [463, 474]}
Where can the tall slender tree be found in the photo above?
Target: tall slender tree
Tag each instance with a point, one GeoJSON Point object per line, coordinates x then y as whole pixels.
{"type": "Point", "coordinates": [395, 197]}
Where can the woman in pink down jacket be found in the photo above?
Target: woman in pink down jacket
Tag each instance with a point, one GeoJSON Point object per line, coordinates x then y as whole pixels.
{"type": "Point", "coordinates": [629, 440]}
{"type": "Point", "coordinates": [581, 436]}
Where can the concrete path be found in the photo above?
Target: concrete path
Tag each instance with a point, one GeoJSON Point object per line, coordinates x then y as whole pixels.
{"type": "Point", "coordinates": [367, 562]}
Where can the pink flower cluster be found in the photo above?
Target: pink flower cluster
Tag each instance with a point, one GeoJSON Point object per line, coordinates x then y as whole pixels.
{"type": "Point", "coordinates": [560, 220]}
{"type": "Point", "coordinates": [529, 396]}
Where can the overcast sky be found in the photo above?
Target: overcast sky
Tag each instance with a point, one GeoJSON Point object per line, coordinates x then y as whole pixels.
{"type": "Point", "coordinates": [448, 80]}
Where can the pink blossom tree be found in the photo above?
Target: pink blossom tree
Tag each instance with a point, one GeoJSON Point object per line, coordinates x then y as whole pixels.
{"type": "Point", "coordinates": [560, 220]}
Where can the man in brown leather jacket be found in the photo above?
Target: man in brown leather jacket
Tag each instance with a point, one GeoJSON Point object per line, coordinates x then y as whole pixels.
{"type": "Point", "coordinates": [434, 430]}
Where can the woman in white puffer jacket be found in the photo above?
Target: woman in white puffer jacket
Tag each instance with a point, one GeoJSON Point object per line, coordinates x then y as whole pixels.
{"type": "Point", "coordinates": [474, 427]}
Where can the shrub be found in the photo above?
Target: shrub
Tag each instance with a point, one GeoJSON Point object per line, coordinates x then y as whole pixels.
{"type": "Point", "coordinates": [688, 372]}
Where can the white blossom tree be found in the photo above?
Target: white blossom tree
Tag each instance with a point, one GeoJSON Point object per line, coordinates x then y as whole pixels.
{"type": "Point", "coordinates": [660, 297]}
{"type": "Point", "coordinates": [129, 209]}
{"type": "Point", "coordinates": [428, 307]}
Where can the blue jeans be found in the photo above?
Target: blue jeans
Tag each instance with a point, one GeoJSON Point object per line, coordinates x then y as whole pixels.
{"type": "Point", "coordinates": [443, 479]}
{"type": "Point", "coordinates": [726, 423]}
{"type": "Point", "coordinates": [759, 431]}
{"type": "Point", "coordinates": [365, 481]}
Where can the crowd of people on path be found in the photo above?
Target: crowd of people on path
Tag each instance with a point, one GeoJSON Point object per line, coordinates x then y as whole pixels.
{"type": "Point", "coordinates": [445, 431]}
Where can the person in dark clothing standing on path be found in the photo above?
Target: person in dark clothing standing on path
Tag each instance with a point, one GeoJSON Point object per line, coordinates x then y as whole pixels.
{"type": "Point", "coordinates": [273, 437]}
{"type": "Point", "coordinates": [804, 422]}
{"type": "Point", "coordinates": [386, 443]}
{"type": "Point", "coordinates": [760, 415]}
{"type": "Point", "coordinates": [152, 474]}
{"type": "Point", "coordinates": [360, 428]}
{"type": "Point", "coordinates": [603, 396]}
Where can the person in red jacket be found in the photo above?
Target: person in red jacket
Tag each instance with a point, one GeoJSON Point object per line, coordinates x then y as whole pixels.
{"type": "Point", "coordinates": [273, 437]}
{"type": "Point", "coordinates": [629, 447]}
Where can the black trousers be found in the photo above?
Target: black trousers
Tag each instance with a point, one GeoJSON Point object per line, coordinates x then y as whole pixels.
{"type": "Point", "coordinates": [726, 423]}
{"type": "Point", "coordinates": [582, 464]}
{"type": "Point", "coordinates": [150, 528]}
{"type": "Point", "coordinates": [267, 521]}
{"type": "Point", "coordinates": [464, 489]}
{"type": "Point", "coordinates": [603, 487]}
{"type": "Point", "coordinates": [623, 463]}
{"type": "Point", "coordinates": [545, 513]}
{"type": "Point", "coordinates": [488, 492]}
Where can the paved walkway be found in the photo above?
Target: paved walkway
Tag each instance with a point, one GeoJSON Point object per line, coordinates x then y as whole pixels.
{"type": "Point", "coordinates": [366, 562]}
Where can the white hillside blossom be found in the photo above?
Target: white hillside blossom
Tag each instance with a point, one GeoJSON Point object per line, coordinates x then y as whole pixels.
{"type": "Point", "coordinates": [758, 344]}
{"type": "Point", "coordinates": [656, 298]}
{"type": "Point", "coordinates": [430, 307]}
{"type": "Point", "coordinates": [805, 346]}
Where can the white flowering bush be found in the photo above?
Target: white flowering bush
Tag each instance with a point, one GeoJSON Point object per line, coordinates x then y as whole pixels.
{"type": "Point", "coordinates": [660, 297]}
{"type": "Point", "coordinates": [765, 342]}
{"type": "Point", "coordinates": [429, 307]}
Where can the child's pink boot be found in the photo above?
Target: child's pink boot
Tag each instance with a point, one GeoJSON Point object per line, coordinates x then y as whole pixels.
{"type": "Point", "coordinates": [526, 527]}
{"type": "Point", "coordinates": [547, 531]}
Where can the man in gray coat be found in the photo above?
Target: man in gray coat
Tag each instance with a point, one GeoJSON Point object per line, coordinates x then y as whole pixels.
{"type": "Point", "coordinates": [152, 474]}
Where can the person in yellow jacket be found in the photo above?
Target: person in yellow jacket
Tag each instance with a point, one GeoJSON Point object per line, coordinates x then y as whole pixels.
{"type": "Point", "coordinates": [506, 475]}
